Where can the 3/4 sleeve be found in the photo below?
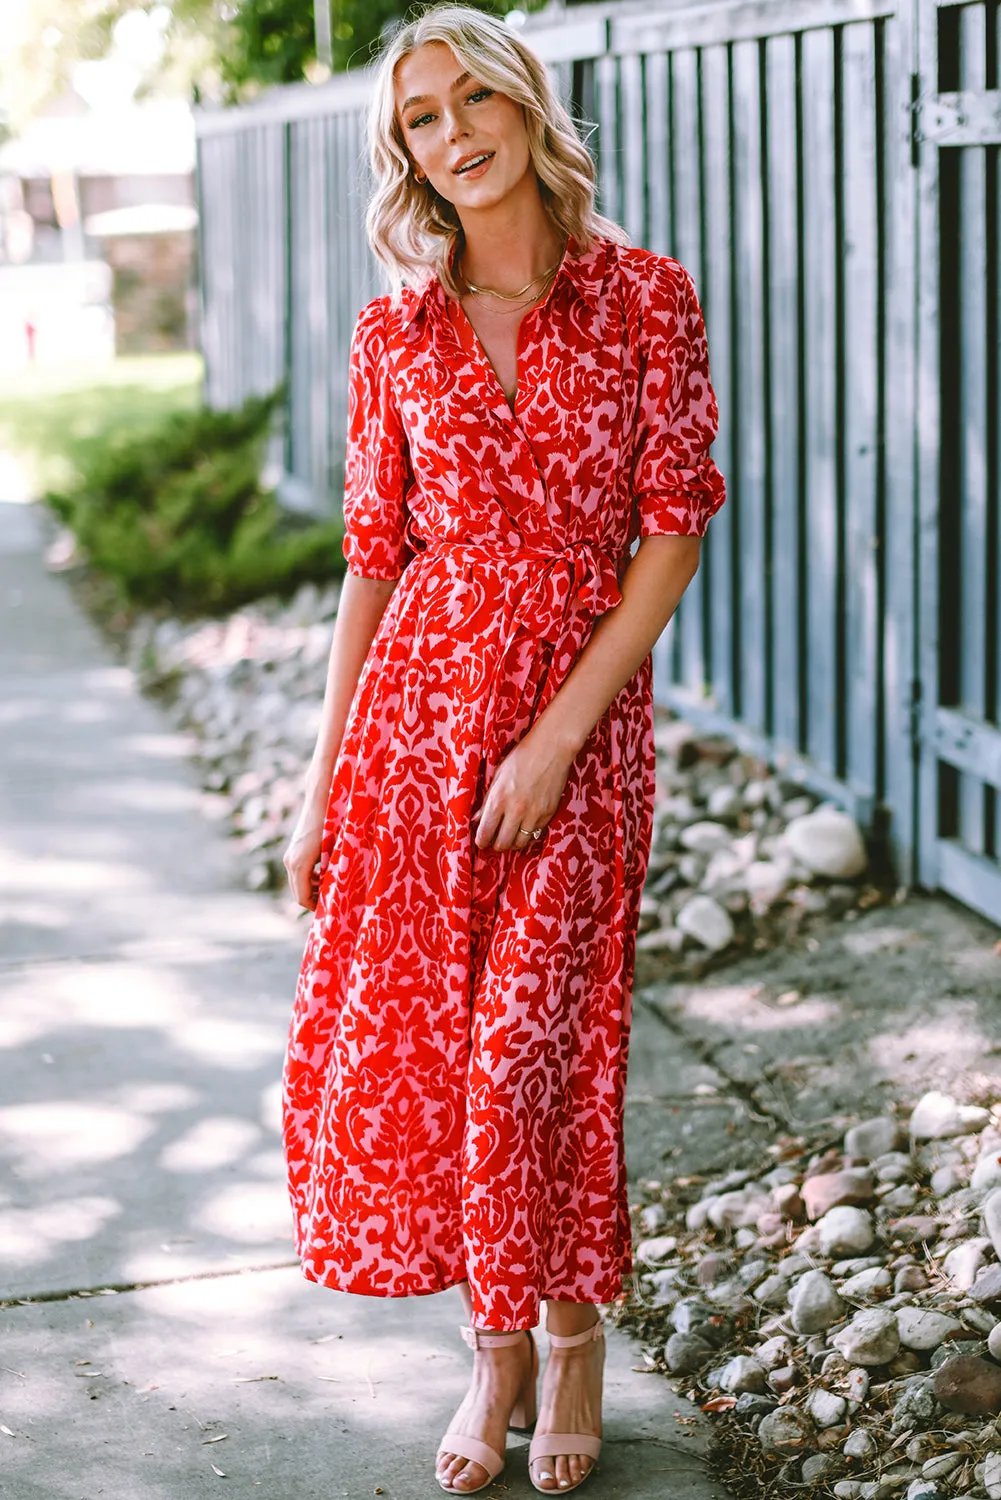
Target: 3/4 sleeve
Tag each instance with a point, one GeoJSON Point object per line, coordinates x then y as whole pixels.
{"type": "Point", "coordinates": [676, 485]}
{"type": "Point", "coordinates": [377, 461]}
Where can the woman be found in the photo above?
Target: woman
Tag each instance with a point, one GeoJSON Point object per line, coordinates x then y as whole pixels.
{"type": "Point", "coordinates": [476, 827]}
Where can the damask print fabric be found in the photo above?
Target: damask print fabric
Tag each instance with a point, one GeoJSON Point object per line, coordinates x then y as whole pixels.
{"type": "Point", "coordinates": [454, 1080]}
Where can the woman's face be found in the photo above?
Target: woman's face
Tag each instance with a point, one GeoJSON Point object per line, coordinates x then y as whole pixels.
{"type": "Point", "coordinates": [451, 120]}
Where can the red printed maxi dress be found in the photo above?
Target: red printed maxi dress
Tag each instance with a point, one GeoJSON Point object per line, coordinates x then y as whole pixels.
{"type": "Point", "coordinates": [454, 1080]}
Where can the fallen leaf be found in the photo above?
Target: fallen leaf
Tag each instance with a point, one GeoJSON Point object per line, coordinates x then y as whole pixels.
{"type": "Point", "coordinates": [250, 1379]}
{"type": "Point", "coordinates": [220, 1472]}
{"type": "Point", "coordinates": [6, 1430]}
{"type": "Point", "coordinates": [217, 1439]}
{"type": "Point", "coordinates": [11, 1371]}
{"type": "Point", "coordinates": [720, 1403]}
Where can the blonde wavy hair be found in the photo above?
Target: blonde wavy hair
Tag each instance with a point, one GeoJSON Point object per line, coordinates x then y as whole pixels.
{"type": "Point", "coordinates": [414, 231]}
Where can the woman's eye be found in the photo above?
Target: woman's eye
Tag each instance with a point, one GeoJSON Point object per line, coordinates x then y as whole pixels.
{"type": "Point", "coordinates": [420, 120]}
{"type": "Point", "coordinates": [478, 94]}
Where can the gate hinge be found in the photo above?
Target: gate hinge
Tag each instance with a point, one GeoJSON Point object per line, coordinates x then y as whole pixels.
{"type": "Point", "coordinates": [914, 121]}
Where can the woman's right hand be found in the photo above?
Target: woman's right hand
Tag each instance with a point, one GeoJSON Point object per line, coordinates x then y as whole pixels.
{"type": "Point", "coordinates": [301, 859]}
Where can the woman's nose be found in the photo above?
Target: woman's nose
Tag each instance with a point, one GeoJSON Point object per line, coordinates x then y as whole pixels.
{"type": "Point", "coordinates": [456, 127]}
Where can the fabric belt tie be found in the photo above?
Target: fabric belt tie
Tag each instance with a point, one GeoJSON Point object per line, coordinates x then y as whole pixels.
{"type": "Point", "coordinates": [558, 604]}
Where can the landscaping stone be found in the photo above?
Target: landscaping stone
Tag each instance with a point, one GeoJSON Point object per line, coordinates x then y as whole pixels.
{"type": "Point", "coordinates": [969, 1384]}
{"type": "Point", "coordinates": [785, 1431]}
{"type": "Point", "coordinates": [871, 1338]}
{"type": "Point", "coordinates": [845, 1230]}
{"type": "Point", "coordinates": [924, 1329]}
{"type": "Point", "coordinates": [815, 1303]}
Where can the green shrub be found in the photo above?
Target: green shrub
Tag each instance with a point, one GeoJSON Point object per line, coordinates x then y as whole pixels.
{"type": "Point", "coordinates": [176, 519]}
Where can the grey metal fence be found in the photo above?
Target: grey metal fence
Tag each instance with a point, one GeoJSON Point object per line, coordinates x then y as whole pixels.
{"type": "Point", "coordinates": [795, 156]}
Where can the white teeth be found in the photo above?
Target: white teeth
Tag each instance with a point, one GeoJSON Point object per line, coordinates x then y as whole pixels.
{"type": "Point", "coordinates": [476, 162]}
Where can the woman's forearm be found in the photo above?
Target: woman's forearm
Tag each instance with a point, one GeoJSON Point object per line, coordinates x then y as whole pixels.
{"type": "Point", "coordinates": [360, 608]}
{"type": "Point", "coordinates": [657, 576]}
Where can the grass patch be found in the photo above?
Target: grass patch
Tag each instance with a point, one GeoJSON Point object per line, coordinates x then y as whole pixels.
{"type": "Point", "coordinates": [59, 418]}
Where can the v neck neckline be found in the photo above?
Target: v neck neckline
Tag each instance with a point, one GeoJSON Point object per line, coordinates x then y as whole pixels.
{"type": "Point", "coordinates": [475, 344]}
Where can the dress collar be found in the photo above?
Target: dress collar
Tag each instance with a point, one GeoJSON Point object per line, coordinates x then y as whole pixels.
{"type": "Point", "coordinates": [586, 273]}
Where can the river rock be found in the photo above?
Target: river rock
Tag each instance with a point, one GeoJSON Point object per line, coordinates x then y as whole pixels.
{"type": "Point", "coordinates": [937, 1117]}
{"type": "Point", "coordinates": [993, 1342]}
{"type": "Point", "coordinates": [690, 1315]}
{"type": "Point", "coordinates": [785, 1431]}
{"type": "Point", "coordinates": [707, 922]}
{"type": "Point", "coordinates": [913, 1229]}
{"type": "Point", "coordinates": [774, 1352]}
{"type": "Point", "coordinates": [867, 1283]}
{"type": "Point", "coordinates": [968, 1384]}
{"type": "Point", "coordinates": [654, 1250]}
{"type": "Point", "coordinates": [815, 1303]}
{"type": "Point", "coordinates": [964, 1262]}
{"type": "Point", "coordinates": [992, 1474]}
{"type": "Point", "coordinates": [871, 1338]}
{"type": "Point", "coordinates": [923, 1329]}
{"type": "Point", "coordinates": [743, 1373]}
{"type": "Point", "coordinates": [772, 1291]}
{"type": "Point", "coordinates": [946, 1179]}
{"type": "Point", "coordinates": [941, 1465]}
{"type": "Point", "coordinates": [828, 842]}
{"type": "Point", "coordinates": [826, 1409]}
{"type": "Point", "coordinates": [987, 1172]}
{"type": "Point", "coordinates": [686, 1354]}
{"type": "Point", "coordinates": [704, 837]}
{"type": "Point", "coordinates": [860, 1445]}
{"type": "Point", "coordinates": [830, 1189]}
{"type": "Point", "coordinates": [987, 1287]}
{"type": "Point", "coordinates": [845, 1231]}
{"type": "Point", "coordinates": [815, 1467]}
{"type": "Point", "coordinates": [910, 1279]}
{"type": "Point", "coordinates": [872, 1138]}
{"type": "Point", "coordinates": [992, 1219]}
{"type": "Point", "coordinates": [914, 1406]}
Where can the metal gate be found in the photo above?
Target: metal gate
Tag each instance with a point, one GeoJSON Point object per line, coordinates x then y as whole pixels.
{"type": "Point", "coordinates": [957, 136]}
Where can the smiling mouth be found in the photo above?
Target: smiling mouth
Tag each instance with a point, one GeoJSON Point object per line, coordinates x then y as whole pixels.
{"type": "Point", "coordinates": [476, 161]}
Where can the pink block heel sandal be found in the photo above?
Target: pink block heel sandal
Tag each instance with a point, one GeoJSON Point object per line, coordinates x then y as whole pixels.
{"type": "Point", "coordinates": [522, 1418]}
{"type": "Point", "coordinates": [562, 1444]}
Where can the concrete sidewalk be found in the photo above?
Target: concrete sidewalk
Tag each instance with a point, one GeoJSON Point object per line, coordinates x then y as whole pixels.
{"type": "Point", "coordinates": [144, 1000]}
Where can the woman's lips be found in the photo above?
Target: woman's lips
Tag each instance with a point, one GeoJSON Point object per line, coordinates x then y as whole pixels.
{"type": "Point", "coordinates": [476, 171]}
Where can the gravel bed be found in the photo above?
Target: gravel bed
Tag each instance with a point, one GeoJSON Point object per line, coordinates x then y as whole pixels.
{"type": "Point", "coordinates": [837, 1308]}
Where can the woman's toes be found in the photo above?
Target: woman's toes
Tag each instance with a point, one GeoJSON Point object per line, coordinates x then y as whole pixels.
{"type": "Point", "coordinates": [576, 1469]}
{"type": "Point", "coordinates": [470, 1477]}
{"type": "Point", "coordinates": [546, 1477]}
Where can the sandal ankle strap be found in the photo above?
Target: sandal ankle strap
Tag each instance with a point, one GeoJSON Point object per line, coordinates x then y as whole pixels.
{"type": "Point", "coordinates": [570, 1340]}
{"type": "Point", "coordinates": [485, 1338]}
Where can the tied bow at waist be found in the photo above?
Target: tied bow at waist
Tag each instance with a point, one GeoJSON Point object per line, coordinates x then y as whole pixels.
{"type": "Point", "coordinates": [564, 590]}
{"type": "Point", "coordinates": [579, 580]}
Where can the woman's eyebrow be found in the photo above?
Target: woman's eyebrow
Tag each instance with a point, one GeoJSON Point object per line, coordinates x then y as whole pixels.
{"type": "Point", "coordinates": [423, 98]}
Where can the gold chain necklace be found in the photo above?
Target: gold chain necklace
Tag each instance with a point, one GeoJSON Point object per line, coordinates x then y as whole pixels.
{"type": "Point", "coordinates": [489, 291]}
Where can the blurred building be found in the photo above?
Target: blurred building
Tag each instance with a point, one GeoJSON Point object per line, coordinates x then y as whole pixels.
{"type": "Point", "coordinates": [97, 232]}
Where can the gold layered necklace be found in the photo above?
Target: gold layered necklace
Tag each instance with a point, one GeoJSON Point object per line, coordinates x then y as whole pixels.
{"type": "Point", "coordinates": [541, 281]}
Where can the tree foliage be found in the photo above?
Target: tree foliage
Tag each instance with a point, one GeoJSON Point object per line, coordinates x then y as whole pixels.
{"type": "Point", "coordinates": [222, 50]}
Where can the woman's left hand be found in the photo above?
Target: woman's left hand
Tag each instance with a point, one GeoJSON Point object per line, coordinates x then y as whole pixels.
{"type": "Point", "coordinates": [524, 793]}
